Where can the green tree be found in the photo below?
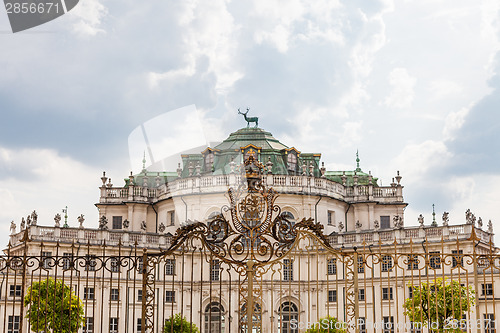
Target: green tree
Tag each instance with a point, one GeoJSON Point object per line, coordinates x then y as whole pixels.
{"type": "Point", "coordinates": [328, 325]}
{"type": "Point", "coordinates": [439, 305]}
{"type": "Point", "coordinates": [52, 306]}
{"type": "Point", "coordinates": [180, 325]}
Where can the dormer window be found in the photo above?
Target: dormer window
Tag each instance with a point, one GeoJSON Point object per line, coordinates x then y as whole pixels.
{"type": "Point", "coordinates": [209, 161]}
{"type": "Point", "coordinates": [292, 162]}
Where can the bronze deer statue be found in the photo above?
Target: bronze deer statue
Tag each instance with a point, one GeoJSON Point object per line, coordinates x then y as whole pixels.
{"type": "Point", "coordinates": [249, 119]}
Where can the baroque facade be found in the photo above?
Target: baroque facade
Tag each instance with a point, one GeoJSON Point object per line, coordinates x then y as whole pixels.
{"type": "Point", "coordinates": [356, 215]}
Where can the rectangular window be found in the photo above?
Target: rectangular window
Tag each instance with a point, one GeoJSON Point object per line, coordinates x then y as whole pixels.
{"type": "Point", "coordinates": [410, 292]}
{"type": "Point", "coordinates": [88, 293]}
{"type": "Point", "coordinates": [361, 324]}
{"type": "Point", "coordinates": [416, 327]}
{"type": "Point", "coordinates": [287, 270]}
{"type": "Point", "coordinates": [169, 296]}
{"type": "Point", "coordinates": [385, 222]}
{"type": "Point", "coordinates": [113, 325]}
{"type": "Point", "coordinates": [115, 265]}
{"type": "Point", "coordinates": [386, 263]}
{"type": "Point", "coordinates": [361, 264]}
{"type": "Point", "coordinates": [169, 266]}
{"type": "Point", "coordinates": [215, 270]}
{"type": "Point", "coordinates": [117, 222]}
{"type": "Point", "coordinates": [413, 262]}
{"type": "Point", "coordinates": [332, 266]}
{"type": "Point", "coordinates": [90, 263]}
{"type": "Point", "coordinates": [361, 294]}
{"type": "Point", "coordinates": [47, 261]}
{"type": "Point", "coordinates": [487, 289]}
{"type": "Point", "coordinates": [387, 293]}
{"type": "Point", "coordinates": [115, 294]}
{"type": "Point", "coordinates": [139, 325]}
{"type": "Point", "coordinates": [489, 323]}
{"type": "Point", "coordinates": [67, 261]}
{"type": "Point", "coordinates": [140, 265]}
{"type": "Point", "coordinates": [15, 291]}
{"type": "Point", "coordinates": [171, 217]}
{"type": "Point", "coordinates": [139, 295]}
{"type": "Point", "coordinates": [457, 257]}
{"type": "Point", "coordinates": [332, 296]}
{"type": "Point", "coordinates": [88, 325]}
{"type": "Point", "coordinates": [388, 324]}
{"type": "Point", "coordinates": [435, 260]}
{"type": "Point", "coordinates": [331, 217]}
{"type": "Point", "coordinates": [13, 324]}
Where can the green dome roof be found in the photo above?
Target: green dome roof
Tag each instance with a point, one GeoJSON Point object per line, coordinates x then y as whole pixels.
{"type": "Point", "coordinates": [255, 136]}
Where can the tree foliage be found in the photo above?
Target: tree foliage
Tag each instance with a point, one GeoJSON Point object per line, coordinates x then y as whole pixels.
{"type": "Point", "coordinates": [52, 306]}
{"type": "Point", "coordinates": [328, 325]}
{"type": "Point", "coordinates": [180, 325]}
{"type": "Point", "coordinates": [439, 304]}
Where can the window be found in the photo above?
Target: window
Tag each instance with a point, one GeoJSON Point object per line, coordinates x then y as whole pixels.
{"type": "Point", "coordinates": [88, 293]}
{"type": "Point", "coordinates": [169, 266]}
{"type": "Point", "coordinates": [410, 292]}
{"type": "Point", "coordinates": [386, 263]}
{"type": "Point", "coordinates": [88, 325]}
{"type": "Point", "coordinates": [15, 291]}
{"type": "Point", "coordinates": [361, 294]}
{"type": "Point", "coordinates": [457, 257]}
{"type": "Point", "coordinates": [416, 327]}
{"type": "Point", "coordinates": [139, 324]}
{"type": "Point", "coordinates": [289, 313]}
{"type": "Point", "coordinates": [489, 323]}
{"type": "Point", "coordinates": [214, 318]}
{"type": "Point", "coordinates": [115, 294]}
{"type": "Point", "coordinates": [487, 289]}
{"type": "Point", "coordinates": [362, 324]}
{"type": "Point", "coordinates": [67, 261]}
{"type": "Point", "coordinates": [387, 293]}
{"type": "Point", "coordinates": [332, 296]}
{"type": "Point", "coordinates": [139, 295]}
{"type": "Point", "coordinates": [209, 161]}
{"type": "Point", "coordinates": [47, 261]}
{"type": "Point", "coordinates": [169, 296]}
{"type": "Point", "coordinates": [435, 260]}
{"type": "Point", "coordinates": [413, 262]}
{"type": "Point", "coordinates": [215, 270]}
{"type": "Point", "coordinates": [13, 324]}
{"type": "Point", "coordinates": [385, 222]}
{"type": "Point", "coordinates": [361, 264]}
{"type": "Point", "coordinates": [90, 263]}
{"type": "Point", "coordinates": [291, 160]}
{"type": "Point", "coordinates": [113, 325]}
{"type": "Point", "coordinates": [117, 222]}
{"type": "Point", "coordinates": [332, 266]}
{"type": "Point", "coordinates": [115, 265]}
{"type": "Point", "coordinates": [388, 324]}
{"type": "Point", "coordinates": [287, 270]}
{"type": "Point", "coordinates": [140, 265]}
{"type": "Point", "coordinates": [171, 217]}
{"type": "Point", "coordinates": [331, 217]}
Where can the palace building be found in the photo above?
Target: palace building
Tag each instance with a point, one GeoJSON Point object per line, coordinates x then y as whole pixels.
{"type": "Point", "coordinates": [252, 213]}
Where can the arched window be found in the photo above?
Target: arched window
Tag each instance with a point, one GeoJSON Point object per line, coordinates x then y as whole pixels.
{"type": "Point", "coordinates": [214, 318]}
{"type": "Point", "coordinates": [284, 230]}
{"type": "Point", "coordinates": [257, 318]}
{"type": "Point", "coordinates": [288, 311]}
{"type": "Point", "coordinates": [291, 162]}
{"type": "Point", "coordinates": [216, 233]}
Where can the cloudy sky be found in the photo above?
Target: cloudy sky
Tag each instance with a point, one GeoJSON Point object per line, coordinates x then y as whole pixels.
{"type": "Point", "coordinates": [413, 85]}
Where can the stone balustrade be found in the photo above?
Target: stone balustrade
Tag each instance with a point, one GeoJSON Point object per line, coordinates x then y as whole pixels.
{"type": "Point", "coordinates": [306, 185]}
{"type": "Point", "coordinates": [347, 239]}
{"type": "Point", "coordinates": [404, 235]}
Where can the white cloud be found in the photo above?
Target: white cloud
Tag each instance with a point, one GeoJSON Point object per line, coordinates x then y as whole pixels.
{"type": "Point", "coordinates": [45, 181]}
{"type": "Point", "coordinates": [416, 160]}
{"type": "Point", "coordinates": [402, 93]}
{"type": "Point", "coordinates": [443, 88]}
{"type": "Point", "coordinates": [453, 122]}
{"type": "Point", "coordinates": [88, 15]}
